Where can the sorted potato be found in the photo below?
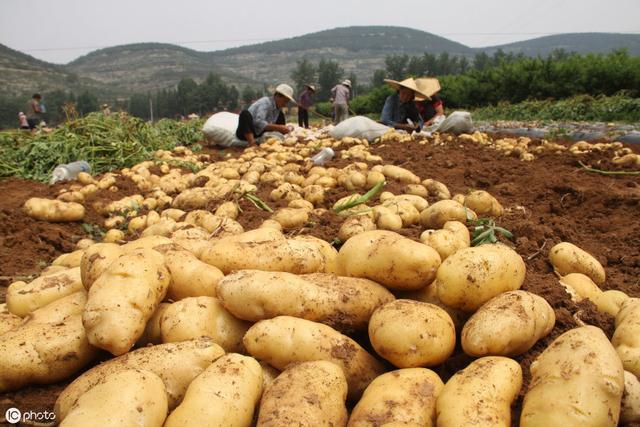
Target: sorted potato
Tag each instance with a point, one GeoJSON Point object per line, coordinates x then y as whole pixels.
{"type": "Point", "coordinates": [53, 210]}
{"type": "Point", "coordinates": [568, 258]}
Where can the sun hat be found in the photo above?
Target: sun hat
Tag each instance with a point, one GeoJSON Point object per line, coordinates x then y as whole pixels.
{"type": "Point", "coordinates": [429, 86]}
{"type": "Point", "coordinates": [312, 87]}
{"type": "Point", "coordinates": [409, 83]}
{"type": "Point", "coordinates": [286, 91]}
{"type": "Point", "coordinates": [347, 82]}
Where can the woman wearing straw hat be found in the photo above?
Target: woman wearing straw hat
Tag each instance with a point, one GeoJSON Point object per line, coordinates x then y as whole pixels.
{"type": "Point", "coordinates": [340, 96]}
{"type": "Point", "coordinates": [305, 101]}
{"type": "Point", "coordinates": [429, 106]}
{"type": "Point", "coordinates": [265, 115]}
{"type": "Point", "coordinates": [400, 111]}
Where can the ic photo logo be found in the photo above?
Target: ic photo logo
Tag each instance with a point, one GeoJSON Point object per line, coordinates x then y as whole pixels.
{"type": "Point", "coordinates": [15, 415]}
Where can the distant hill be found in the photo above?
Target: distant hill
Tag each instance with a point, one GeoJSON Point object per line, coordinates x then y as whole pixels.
{"type": "Point", "coordinates": [582, 43]}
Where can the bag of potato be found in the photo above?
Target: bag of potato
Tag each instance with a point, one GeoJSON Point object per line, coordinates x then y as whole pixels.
{"type": "Point", "coordinates": [220, 129]}
{"type": "Point", "coordinates": [359, 127]}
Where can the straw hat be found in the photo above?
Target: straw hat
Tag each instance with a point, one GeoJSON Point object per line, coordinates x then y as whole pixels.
{"type": "Point", "coordinates": [409, 83]}
{"type": "Point", "coordinates": [347, 83]}
{"type": "Point", "coordinates": [312, 87]}
{"type": "Point", "coordinates": [429, 86]}
{"type": "Point", "coordinates": [286, 91]}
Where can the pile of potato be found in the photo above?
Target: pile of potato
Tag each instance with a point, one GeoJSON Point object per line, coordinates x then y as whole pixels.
{"type": "Point", "coordinates": [211, 324]}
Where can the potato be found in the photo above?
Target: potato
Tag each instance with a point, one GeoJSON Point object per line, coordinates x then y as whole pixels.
{"type": "Point", "coordinates": [611, 301]}
{"type": "Point", "coordinates": [389, 259]}
{"type": "Point", "coordinates": [59, 309]}
{"type": "Point", "coordinates": [123, 299]}
{"type": "Point", "coordinates": [23, 298]}
{"type": "Point", "coordinates": [301, 204]}
{"type": "Point", "coordinates": [412, 334]}
{"type": "Point", "coordinates": [630, 410]}
{"type": "Point", "coordinates": [472, 276]}
{"type": "Point", "coordinates": [164, 227]}
{"type": "Point", "coordinates": [291, 218]}
{"type": "Point", "coordinates": [568, 258]}
{"type": "Point", "coordinates": [483, 204]}
{"type": "Point", "coordinates": [481, 394]}
{"type": "Point", "coordinates": [344, 303]}
{"type": "Point", "coordinates": [387, 220]}
{"type": "Point", "coordinates": [329, 253]}
{"type": "Point", "coordinates": [269, 374]}
{"type": "Point", "coordinates": [429, 294]}
{"type": "Point", "coordinates": [53, 210]}
{"type": "Point", "coordinates": [626, 338]}
{"type": "Point", "coordinates": [355, 225]}
{"type": "Point", "coordinates": [148, 242]}
{"type": "Point", "coordinates": [43, 353]}
{"type": "Point", "coordinates": [85, 178]}
{"type": "Point", "coordinates": [400, 174]}
{"type": "Point", "coordinates": [436, 215]}
{"type": "Point", "coordinates": [436, 189]}
{"type": "Point", "coordinates": [284, 340]}
{"type": "Point", "coordinates": [453, 236]}
{"type": "Point", "coordinates": [404, 397]}
{"type": "Point", "coordinates": [152, 334]}
{"type": "Point", "coordinates": [69, 260]}
{"type": "Point", "coordinates": [194, 317]}
{"type": "Point", "coordinates": [113, 236]}
{"type": "Point", "coordinates": [416, 190]}
{"type": "Point", "coordinates": [577, 380]}
{"type": "Point", "coordinates": [308, 394]}
{"type": "Point", "coordinates": [8, 320]}
{"type": "Point", "coordinates": [507, 325]}
{"type": "Point", "coordinates": [373, 178]}
{"type": "Point", "coordinates": [176, 363]}
{"type": "Point", "coordinates": [95, 261]}
{"type": "Point", "coordinates": [314, 194]}
{"type": "Point", "coordinates": [405, 210]}
{"type": "Point", "coordinates": [225, 394]}
{"type": "Point", "coordinates": [190, 277]}
{"type": "Point", "coordinates": [128, 397]}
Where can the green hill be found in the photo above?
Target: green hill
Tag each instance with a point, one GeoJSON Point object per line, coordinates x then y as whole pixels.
{"type": "Point", "coordinates": [582, 43]}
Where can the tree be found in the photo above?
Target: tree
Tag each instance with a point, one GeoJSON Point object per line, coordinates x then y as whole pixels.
{"type": "Point", "coordinates": [355, 90]}
{"type": "Point", "coordinates": [139, 105]}
{"type": "Point", "coordinates": [187, 96]}
{"type": "Point", "coordinates": [86, 103]}
{"type": "Point", "coordinates": [329, 74]}
{"type": "Point", "coordinates": [396, 66]}
{"type": "Point", "coordinates": [248, 95]}
{"type": "Point", "coordinates": [378, 78]}
{"type": "Point", "coordinates": [303, 74]}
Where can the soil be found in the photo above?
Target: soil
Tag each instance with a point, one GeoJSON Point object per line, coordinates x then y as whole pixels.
{"type": "Point", "coordinates": [548, 200]}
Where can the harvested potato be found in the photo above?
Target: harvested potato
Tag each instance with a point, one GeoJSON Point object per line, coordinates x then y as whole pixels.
{"type": "Point", "coordinates": [436, 215]}
{"type": "Point", "coordinates": [190, 277]}
{"type": "Point", "coordinates": [568, 258]}
{"type": "Point", "coordinates": [113, 236]}
{"type": "Point", "coordinates": [308, 394]}
{"type": "Point", "coordinates": [400, 174]}
{"type": "Point", "coordinates": [148, 242]}
{"type": "Point", "coordinates": [578, 380]}
{"type": "Point", "coordinates": [404, 209]}
{"type": "Point", "coordinates": [580, 287]}
{"type": "Point", "coordinates": [355, 225]}
{"type": "Point", "coordinates": [53, 210]}
{"type": "Point", "coordinates": [128, 397]}
{"type": "Point", "coordinates": [225, 394]}
{"type": "Point", "coordinates": [177, 364]}
{"type": "Point", "coordinates": [344, 303]}
{"type": "Point", "coordinates": [284, 340]}
{"type": "Point", "coordinates": [69, 260]}
{"type": "Point", "coordinates": [291, 218]}
{"type": "Point", "coordinates": [417, 190]}
{"type": "Point", "coordinates": [412, 334]}
{"type": "Point", "coordinates": [507, 325]}
{"type": "Point", "coordinates": [329, 253]}
{"type": "Point", "coordinates": [195, 317]}
{"type": "Point", "coordinates": [59, 309]}
{"type": "Point", "coordinates": [387, 220]}
{"type": "Point", "coordinates": [8, 320]}
{"type": "Point", "coordinates": [43, 353]}
{"type": "Point", "coordinates": [436, 189]}
{"type": "Point", "coordinates": [389, 259]}
{"type": "Point", "coordinates": [483, 204]}
{"type": "Point", "coordinates": [453, 236]}
{"type": "Point", "coordinates": [630, 410]}
{"type": "Point", "coordinates": [152, 334]}
{"type": "Point", "coordinates": [429, 294]}
{"type": "Point", "coordinates": [95, 261]}
{"type": "Point", "coordinates": [626, 338]}
{"type": "Point", "coordinates": [23, 298]}
{"type": "Point", "coordinates": [123, 299]}
{"type": "Point", "coordinates": [481, 394]}
{"type": "Point", "coordinates": [472, 276]}
{"type": "Point", "coordinates": [403, 397]}
{"type": "Point", "coordinates": [611, 301]}
{"type": "Point", "coordinates": [164, 227]}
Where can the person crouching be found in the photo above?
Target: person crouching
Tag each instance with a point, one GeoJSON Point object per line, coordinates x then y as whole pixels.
{"type": "Point", "coordinates": [265, 115]}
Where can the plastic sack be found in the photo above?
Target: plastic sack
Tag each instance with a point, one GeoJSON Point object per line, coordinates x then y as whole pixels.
{"type": "Point", "coordinates": [359, 127]}
{"type": "Point", "coordinates": [456, 122]}
{"type": "Point", "coordinates": [220, 129]}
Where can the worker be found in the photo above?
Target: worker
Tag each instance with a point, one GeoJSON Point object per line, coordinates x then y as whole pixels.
{"type": "Point", "coordinates": [400, 111]}
{"type": "Point", "coordinates": [265, 115]}
{"type": "Point", "coordinates": [430, 105]}
{"type": "Point", "coordinates": [340, 94]}
{"type": "Point", "coordinates": [305, 101]}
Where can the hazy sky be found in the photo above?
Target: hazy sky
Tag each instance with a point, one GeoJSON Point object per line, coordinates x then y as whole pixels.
{"type": "Point", "coordinates": [61, 30]}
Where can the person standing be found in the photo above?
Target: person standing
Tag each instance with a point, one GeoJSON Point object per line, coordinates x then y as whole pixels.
{"type": "Point", "coordinates": [106, 110]}
{"type": "Point", "coordinates": [340, 96]}
{"type": "Point", "coordinates": [305, 101]}
{"type": "Point", "coordinates": [34, 111]}
{"type": "Point", "coordinates": [22, 119]}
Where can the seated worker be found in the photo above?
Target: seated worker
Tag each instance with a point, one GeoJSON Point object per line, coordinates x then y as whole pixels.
{"type": "Point", "coordinates": [400, 111]}
{"type": "Point", "coordinates": [265, 115]}
{"type": "Point", "coordinates": [430, 106]}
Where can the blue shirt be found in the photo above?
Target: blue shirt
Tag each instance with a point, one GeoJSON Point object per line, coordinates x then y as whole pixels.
{"type": "Point", "coordinates": [264, 111]}
{"type": "Point", "coordinates": [391, 114]}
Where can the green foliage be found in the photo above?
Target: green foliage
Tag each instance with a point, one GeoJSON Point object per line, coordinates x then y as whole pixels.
{"type": "Point", "coordinates": [485, 231]}
{"type": "Point", "coordinates": [303, 74]}
{"type": "Point", "coordinates": [373, 102]}
{"type": "Point", "coordinates": [329, 74]}
{"type": "Point", "coordinates": [87, 102]}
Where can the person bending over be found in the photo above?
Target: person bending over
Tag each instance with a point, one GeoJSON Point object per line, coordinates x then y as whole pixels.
{"type": "Point", "coordinates": [265, 115]}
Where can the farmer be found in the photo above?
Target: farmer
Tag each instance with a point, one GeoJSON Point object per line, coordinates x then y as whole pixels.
{"type": "Point", "coordinates": [305, 101]}
{"type": "Point", "coordinates": [265, 115]}
{"type": "Point", "coordinates": [22, 119]}
{"type": "Point", "coordinates": [400, 111]}
{"type": "Point", "coordinates": [340, 97]}
{"type": "Point", "coordinates": [106, 110]}
{"type": "Point", "coordinates": [34, 111]}
{"type": "Point", "coordinates": [429, 106]}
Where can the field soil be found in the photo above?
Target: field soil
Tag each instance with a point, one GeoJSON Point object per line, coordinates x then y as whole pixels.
{"type": "Point", "coordinates": [548, 200]}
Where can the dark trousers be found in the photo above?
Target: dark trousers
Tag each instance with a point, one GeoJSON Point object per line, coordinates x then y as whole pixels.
{"type": "Point", "coordinates": [33, 123]}
{"type": "Point", "coordinates": [245, 124]}
{"type": "Point", "coordinates": [303, 117]}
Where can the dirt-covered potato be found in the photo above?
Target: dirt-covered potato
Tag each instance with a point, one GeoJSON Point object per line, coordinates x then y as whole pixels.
{"type": "Point", "coordinates": [483, 204]}
{"type": "Point", "coordinates": [436, 215]}
{"type": "Point", "coordinates": [194, 317]}
{"type": "Point", "coordinates": [177, 364]}
{"type": "Point", "coordinates": [284, 340]}
{"type": "Point", "coordinates": [355, 225]}
{"type": "Point", "coordinates": [404, 397]}
{"type": "Point", "coordinates": [436, 189]}
{"type": "Point", "coordinates": [580, 287]}
{"type": "Point", "coordinates": [344, 303]}
{"type": "Point", "coordinates": [626, 338]}
{"type": "Point", "coordinates": [577, 381]}
{"type": "Point", "coordinates": [70, 260]}
{"type": "Point", "coordinates": [400, 174]}
{"type": "Point", "coordinates": [453, 236]}
{"type": "Point", "coordinates": [630, 410]}
{"type": "Point", "coordinates": [307, 394]}
{"type": "Point", "coordinates": [152, 334]}
{"type": "Point", "coordinates": [291, 218]}
{"type": "Point", "coordinates": [481, 394]}
{"type": "Point", "coordinates": [389, 259]}
{"type": "Point", "coordinates": [507, 325]}
{"type": "Point", "coordinates": [123, 299]}
{"type": "Point", "coordinates": [225, 394]}
{"type": "Point", "coordinates": [568, 258]}
{"type": "Point", "coordinates": [128, 397]}
{"type": "Point", "coordinates": [53, 210]}
{"type": "Point", "coordinates": [190, 277]}
{"type": "Point", "coordinates": [472, 276]}
{"type": "Point", "coordinates": [412, 334]}
{"type": "Point", "coordinates": [43, 353]}
{"type": "Point", "coordinates": [95, 261]}
{"type": "Point", "coordinates": [328, 252]}
{"type": "Point", "coordinates": [59, 309]}
{"type": "Point", "coordinates": [23, 298]}
{"type": "Point", "coordinates": [429, 294]}
{"type": "Point", "coordinates": [8, 320]}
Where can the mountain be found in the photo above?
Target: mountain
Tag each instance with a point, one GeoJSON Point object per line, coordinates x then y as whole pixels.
{"type": "Point", "coordinates": [582, 43]}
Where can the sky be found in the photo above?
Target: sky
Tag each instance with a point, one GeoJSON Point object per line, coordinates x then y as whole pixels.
{"type": "Point", "coordinates": [60, 31]}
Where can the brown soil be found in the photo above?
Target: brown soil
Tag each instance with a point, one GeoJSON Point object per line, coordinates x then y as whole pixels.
{"type": "Point", "coordinates": [547, 201]}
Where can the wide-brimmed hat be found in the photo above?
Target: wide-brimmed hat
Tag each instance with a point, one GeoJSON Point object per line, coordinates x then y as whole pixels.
{"type": "Point", "coordinates": [429, 86]}
{"type": "Point", "coordinates": [312, 87]}
{"type": "Point", "coordinates": [105, 105]}
{"type": "Point", "coordinates": [286, 91]}
{"type": "Point", "coordinates": [347, 82]}
{"type": "Point", "coordinates": [409, 83]}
